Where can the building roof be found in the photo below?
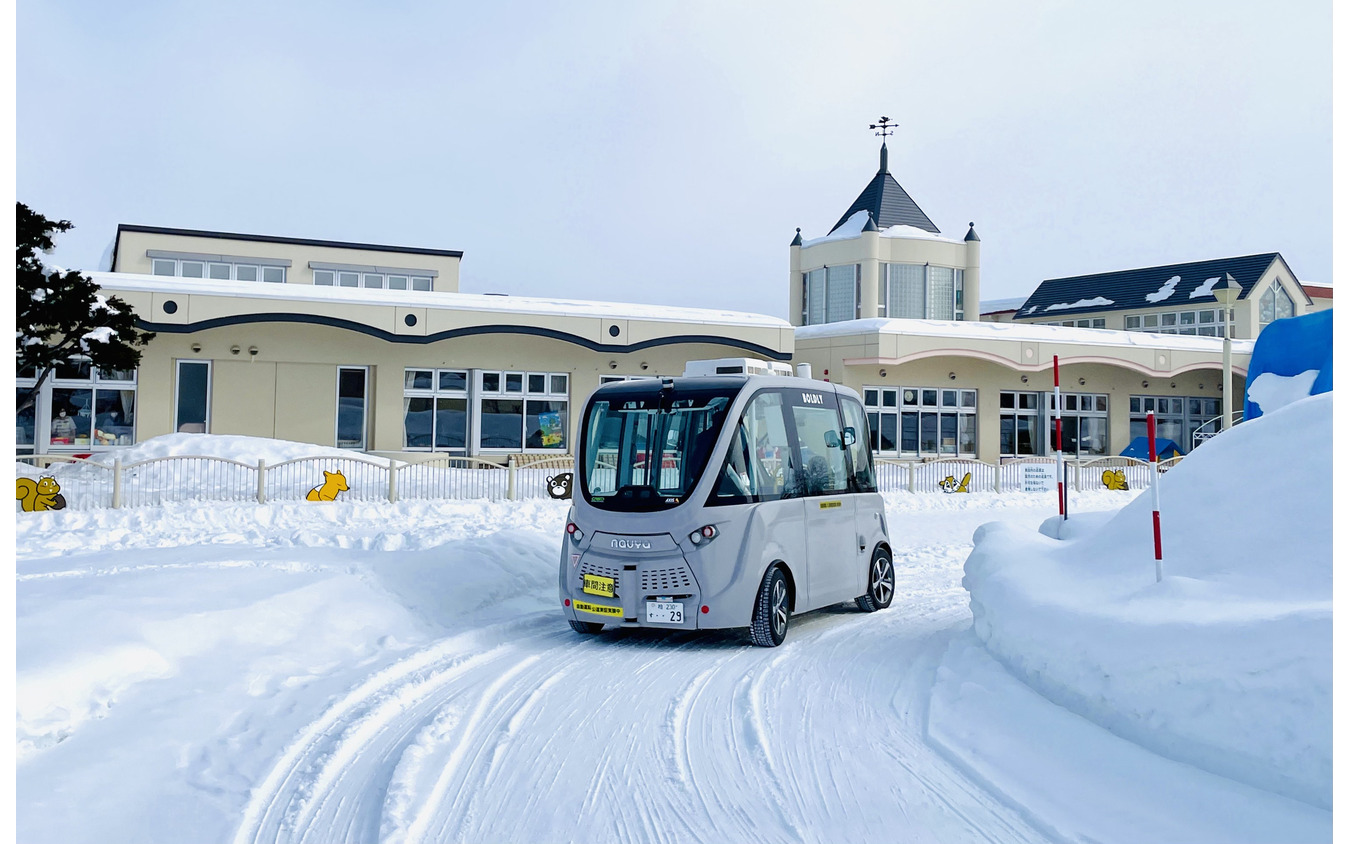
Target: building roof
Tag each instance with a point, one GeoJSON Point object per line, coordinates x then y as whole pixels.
{"type": "Point", "coordinates": [297, 241]}
{"type": "Point", "coordinates": [1146, 287]}
{"type": "Point", "coordinates": [888, 203]}
{"type": "Point", "coordinates": [1317, 291]}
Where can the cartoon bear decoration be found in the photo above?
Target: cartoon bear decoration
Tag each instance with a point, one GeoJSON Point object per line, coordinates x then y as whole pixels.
{"type": "Point", "coordinates": [39, 495]}
{"type": "Point", "coordinates": [560, 486]}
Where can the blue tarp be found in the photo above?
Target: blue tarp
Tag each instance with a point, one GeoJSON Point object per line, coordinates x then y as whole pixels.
{"type": "Point", "coordinates": [1138, 448]}
{"type": "Point", "coordinates": [1289, 347]}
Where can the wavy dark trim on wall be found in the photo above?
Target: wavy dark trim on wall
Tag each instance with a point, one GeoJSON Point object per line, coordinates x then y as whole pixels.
{"type": "Point", "coordinates": [469, 331]}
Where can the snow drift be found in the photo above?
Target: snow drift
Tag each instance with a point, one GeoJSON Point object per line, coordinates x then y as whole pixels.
{"type": "Point", "coordinates": [1226, 664]}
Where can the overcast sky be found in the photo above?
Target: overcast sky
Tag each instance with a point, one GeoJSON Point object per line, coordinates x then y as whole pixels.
{"type": "Point", "coordinates": [664, 152]}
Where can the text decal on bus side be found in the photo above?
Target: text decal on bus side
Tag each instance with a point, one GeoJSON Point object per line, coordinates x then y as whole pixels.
{"type": "Point", "coordinates": [830, 505]}
{"type": "Point", "coordinates": [813, 398]}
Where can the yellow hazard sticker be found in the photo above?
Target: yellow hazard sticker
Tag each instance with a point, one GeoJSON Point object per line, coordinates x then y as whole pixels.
{"type": "Point", "coordinates": [594, 584]}
{"type": "Point", "coordinates": [830, 505]}
{"type": "Point", "coordinates": [598, 609]}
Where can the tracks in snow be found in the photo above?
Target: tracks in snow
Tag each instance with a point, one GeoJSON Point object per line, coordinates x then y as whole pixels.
{"type": "Point", "coordinates": [525, 732]}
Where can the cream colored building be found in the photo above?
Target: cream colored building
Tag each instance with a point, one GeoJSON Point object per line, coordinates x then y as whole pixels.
{"type": "Point", "coordinates": [361, 346]}
{"type": "Point", "coordinates": [889, 307]}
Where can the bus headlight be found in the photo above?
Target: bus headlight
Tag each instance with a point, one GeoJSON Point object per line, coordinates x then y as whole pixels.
{"type": "Point", "coordinates": [703, 535]}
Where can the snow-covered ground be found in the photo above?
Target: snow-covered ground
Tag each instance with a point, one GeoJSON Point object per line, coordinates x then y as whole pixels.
{"type": "Point", "coordinates": [376, 672]}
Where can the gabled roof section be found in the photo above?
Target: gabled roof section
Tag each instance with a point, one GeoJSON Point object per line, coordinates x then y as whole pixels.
{"type": "Point", "coordinates": [888, 203]}
{"type": "Point", "coordinates": [1173, 285]}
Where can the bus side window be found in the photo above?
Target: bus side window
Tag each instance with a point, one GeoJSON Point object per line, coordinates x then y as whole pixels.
{"type": "Point", "coordinates": [758, 465]}
{"type": "Point", "coordinates": [824, 471]}
{"type": "Point", "coordinates": [863, 478]}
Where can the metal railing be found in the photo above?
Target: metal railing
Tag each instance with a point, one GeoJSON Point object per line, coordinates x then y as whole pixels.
{"type": "Point", "coordinates": [1212, 428]}
{"type": "Point", "coordinates": [86, 484]}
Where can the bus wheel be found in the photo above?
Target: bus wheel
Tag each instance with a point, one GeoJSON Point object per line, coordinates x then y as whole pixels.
{"type": "Point", "coordinates": [880, 583]}
{"type": "Point", "coordinates": [768, 626]}
{"type": "Point", "coordinates": [587, 627]}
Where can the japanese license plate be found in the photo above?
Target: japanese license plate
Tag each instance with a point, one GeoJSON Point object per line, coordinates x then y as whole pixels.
{"type": "Point", "coordinates": [594, 584]}
{"type": "Point", "coordinates": [665, 612]}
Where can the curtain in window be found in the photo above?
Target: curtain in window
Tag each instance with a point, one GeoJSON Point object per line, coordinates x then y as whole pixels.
{"type": "Point", "coordinates": [905, 285]}
{"type": "Point", "coordinates": [941, 292]}
{"type": "Point", "coordinates": [840, 285]}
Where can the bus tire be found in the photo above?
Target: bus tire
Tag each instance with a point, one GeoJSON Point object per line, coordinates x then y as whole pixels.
{"type": "Point", "coordinates": [589, 628]}
{"type": "Point", "coordinates": [880, 583]}
{"type": "Point", "coordinates": [768, 625]}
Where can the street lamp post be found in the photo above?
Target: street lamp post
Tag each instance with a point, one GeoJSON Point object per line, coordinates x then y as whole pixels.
{"type": "Point", "coordinates": [1227, 292]}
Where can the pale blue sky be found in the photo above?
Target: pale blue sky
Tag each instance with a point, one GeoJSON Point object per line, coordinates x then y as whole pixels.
{"type": "Point", "coordinates": [664, 152]}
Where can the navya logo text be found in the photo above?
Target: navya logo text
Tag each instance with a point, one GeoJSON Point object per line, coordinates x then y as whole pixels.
{"type": "Point", "coordinates": [631, 544]}
{"type": "Point", "coordinates": [813, 398]}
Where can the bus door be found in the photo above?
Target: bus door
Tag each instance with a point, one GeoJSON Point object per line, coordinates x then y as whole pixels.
{"type": "Point", "coordinates": [831, 545]}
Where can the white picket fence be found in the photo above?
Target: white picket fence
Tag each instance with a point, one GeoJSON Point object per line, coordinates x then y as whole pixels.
{"type": "Point", "coordinates": [88, 484]}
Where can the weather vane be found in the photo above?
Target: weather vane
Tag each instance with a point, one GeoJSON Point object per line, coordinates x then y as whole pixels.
{"type": "Point", "coordinates": [886, 127]}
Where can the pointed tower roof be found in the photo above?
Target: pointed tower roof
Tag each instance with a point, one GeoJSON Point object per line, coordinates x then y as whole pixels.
{"type": "Point", "coordinates": [888, 203]}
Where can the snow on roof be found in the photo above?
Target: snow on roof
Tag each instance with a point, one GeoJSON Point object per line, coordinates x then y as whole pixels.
{"type": "Point", "coordinates": [853, 226]}
{"type": "Point", "coordinates": [1094, 302]}
{"type": "Point", "coordinates": [447, 301]}
{"type": "Point", "coordinates": [992, 306]}
{"type": "Point", "coordinates": [1019, 332]}
{"type": "Point", "coordinates": [1205, 289]}
{"type": "Point", "coordinates": [1165, 292]}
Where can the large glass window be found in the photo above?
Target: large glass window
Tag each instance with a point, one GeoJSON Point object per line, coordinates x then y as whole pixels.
{"type": "Point", "coordinates": [193, 403]}
{"type": "Point", "coordinates": [922, 291]}
{"type": "Point", "coordinates": [1084, 419]}
{"type": "Point", "coordinates": [905, 294]}
{"type": "Point", "coordinates": [78, 407]}
{"type": "Point", "coordinates": [645, 450]}
{"type": "Point", "coordinates": [830, 294]}
{"type": "Point", "coordinates": [351, 409]}
{"type": "Point", "coordinates": [1021, 423]}
{"type": "Point", "coordinates": [1178, 417]}
{"type": "Point", "coordinates": [523, 410]}
{"type": "Point", "coordinates": [1275, 304]}
{"type": "Point", "coordinates": [435, 409]}
{"type": "Point", "coordinates": [813, 289]}
{"type": "Point", "coordinates": [759, 464]}
{"type": "Point", "coordinates": [25, 428]}
{"type": "Point", "coordinates": [378, 281]}
{"type": "Point", "coordinates": [922, 421]}
{"type": "Point", "coordinates": [861, 456]}
{"type": "Point", "coordinates": [1207, 322]}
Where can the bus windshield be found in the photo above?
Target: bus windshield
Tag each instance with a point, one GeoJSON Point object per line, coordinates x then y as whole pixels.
{"type": "Point", "coordinates": [645, 451]}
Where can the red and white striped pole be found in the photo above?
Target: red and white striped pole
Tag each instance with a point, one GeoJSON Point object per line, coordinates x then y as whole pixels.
{"type": "Point", "coordinates": [1059, 448]}
{"type": "Point", "coordinates": [1157, 504]}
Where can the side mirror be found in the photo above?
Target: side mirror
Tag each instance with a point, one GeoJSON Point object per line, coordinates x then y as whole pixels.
{"type": "Point", "coordinates": [850, 436]}
{"type": "Point", "coordinates": [832, 439]}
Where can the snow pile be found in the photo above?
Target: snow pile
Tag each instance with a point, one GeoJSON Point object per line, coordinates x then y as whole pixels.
{"type": "Point", "coordinates": [232, 447]}
{"type": "Point", "coordinates": [1165, 292]}
{"type": "Point", "coordinates": [1094, 302]}
{"type": "Point", "coordinates": [1226, 664]}
{"type": "Point", "coordinates": [1205, 289]}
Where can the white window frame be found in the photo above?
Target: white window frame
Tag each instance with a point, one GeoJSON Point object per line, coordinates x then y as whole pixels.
{"type": "Point", "coordinates": [960, 409]}
{"type": "Point", "coordinates": [207, 266]}
{"type": "Point", "coordinates": [435, 392]}
{"type": "Point", "coordinates": [958, 289]}
{"type": "Point", "coordinates": [383, 281]}
{"type": "Point", "coordinates": [524, 396]}
{"type": "Point", "coordinates": [95, 383]}
{"type": "Point", "coordinates": [365, 406]}
{"type": "Point", "coordinates": [177, 385]}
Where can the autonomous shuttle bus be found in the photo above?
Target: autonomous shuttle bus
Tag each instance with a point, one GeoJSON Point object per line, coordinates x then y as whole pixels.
{"type": "Point", "coordinates": [716, 501]}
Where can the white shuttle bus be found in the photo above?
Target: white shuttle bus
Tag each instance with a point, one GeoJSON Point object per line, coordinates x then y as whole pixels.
{"type": "Point", "coordinates": [723, 499]}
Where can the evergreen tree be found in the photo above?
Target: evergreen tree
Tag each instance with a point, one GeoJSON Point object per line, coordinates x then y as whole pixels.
{"type": "Point", "coordinates": [61, 313]}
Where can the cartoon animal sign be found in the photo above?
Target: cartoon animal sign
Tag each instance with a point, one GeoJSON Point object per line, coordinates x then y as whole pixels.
{"type": "Point", "coordinates": [333, 483]}
{"type": "Point", "coordinates": [559, 486]}
{"type": "Point", "coordinates": [1115, 479]}
{"type": "Point", "coordinates": [949, 484]}
{"type": "Point", "coordinates": [42, 494]}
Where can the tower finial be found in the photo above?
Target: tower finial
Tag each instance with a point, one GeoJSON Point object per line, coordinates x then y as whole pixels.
{"type": "Point", "coordinates": [887, 128]}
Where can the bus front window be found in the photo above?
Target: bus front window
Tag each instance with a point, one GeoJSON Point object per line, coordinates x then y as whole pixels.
{"type": "Point", "coordinates": [647, 452]}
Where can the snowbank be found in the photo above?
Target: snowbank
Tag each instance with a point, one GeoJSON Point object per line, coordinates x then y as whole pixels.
{"type": "Point", "coordinates": [244, 449]}
{"type": "Point", "coordinates": [1226, 664]}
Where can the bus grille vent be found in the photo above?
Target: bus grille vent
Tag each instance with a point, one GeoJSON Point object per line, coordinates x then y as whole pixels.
{"type": "Point", "coordinates": [599, 571]}
{"type": "Point", "coordinates": [667, 580]}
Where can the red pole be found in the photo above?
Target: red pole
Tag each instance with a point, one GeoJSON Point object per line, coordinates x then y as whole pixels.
{"type": "Point", "coordinates": [1157, 505]}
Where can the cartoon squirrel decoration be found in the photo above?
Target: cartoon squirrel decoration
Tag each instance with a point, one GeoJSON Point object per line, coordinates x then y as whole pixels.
{"type": "Point", "coordinates": [1115, 479]}
{"type": "Point", "coordinates": [949, 484]}
{"type": "Point", "coordinates": [39, 495]}
{"type": "Point", "coordinates": [333, 483]}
